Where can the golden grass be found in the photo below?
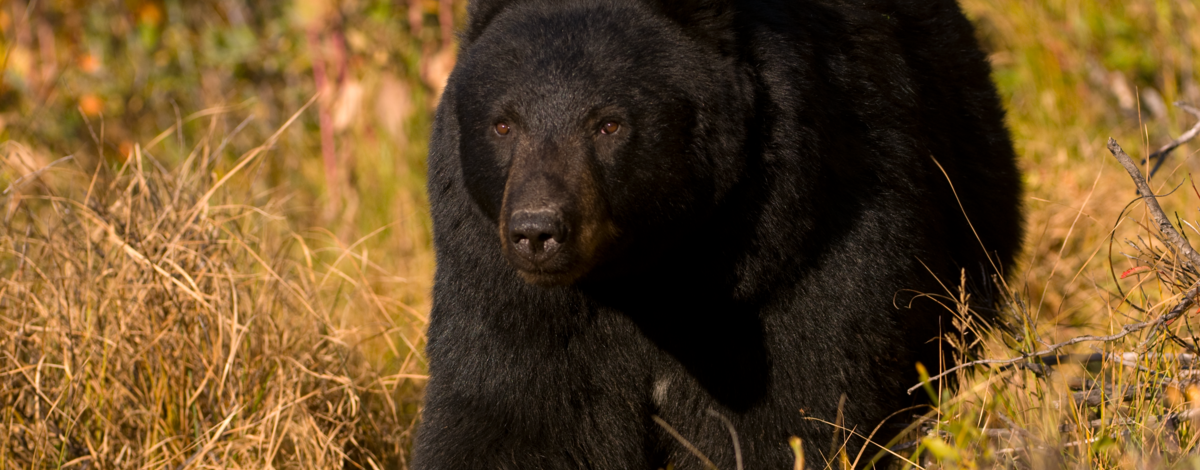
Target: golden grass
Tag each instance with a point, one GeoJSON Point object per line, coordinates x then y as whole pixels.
{"type": "Point", "coordinates": [1134, 403]}
{"type": "Point", "coordinates": [156, 318]}
{"type": "Point", "coordinates": [1073, 74]}
{"type": "Point", "coordinates": [142, 326]}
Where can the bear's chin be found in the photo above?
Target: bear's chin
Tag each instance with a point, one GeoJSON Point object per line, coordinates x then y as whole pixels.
{"type": "Point", "coordinates": [573, 274]}
{"type": "Point", "coordinates": [563, 270]}
{"type": "Point", "coordinates": [560, 270]}
{"type": "Point", "coordinates": [546, 279]}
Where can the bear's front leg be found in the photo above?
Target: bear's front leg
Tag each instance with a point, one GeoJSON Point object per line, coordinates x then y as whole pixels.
{"type": "Point", "coordinates": [530, 435]}
{"type": "Point", "coordinates": [533, 394]}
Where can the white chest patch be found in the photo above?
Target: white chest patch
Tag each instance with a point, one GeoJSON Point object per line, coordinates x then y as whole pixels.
{"type": "Point", "coordinates": [660, 391]}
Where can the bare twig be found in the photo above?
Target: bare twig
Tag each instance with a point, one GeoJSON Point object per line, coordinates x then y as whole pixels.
{"type": "Point", "coordinates": [1160, 156]}
{"type": "Point", "coordinates": [1164, 224]}
{"type": "Point", "coordinates": [1185, 360]}
{"type": "Point", "coordinates": [737, 446]}
{"type": "Point", "coordinates": [1125, 331]}
{"type": "Point", "coordinates": [686, 444]}
{"type": "Point", "coordinates": [1173, 237]}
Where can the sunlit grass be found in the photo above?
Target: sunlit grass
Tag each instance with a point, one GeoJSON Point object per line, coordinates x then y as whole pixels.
{"type": "Point", "coordinates": [1073, 74]}
{"type": "Point", "coordinates": [108, 359]}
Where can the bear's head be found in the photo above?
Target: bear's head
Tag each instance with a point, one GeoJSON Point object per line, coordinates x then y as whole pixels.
{"type": "Point", "coordinates": [589, 127]}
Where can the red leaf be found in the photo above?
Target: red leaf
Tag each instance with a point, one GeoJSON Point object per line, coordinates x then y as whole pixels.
{"type": "Point", "coordinates": [1132, 271]}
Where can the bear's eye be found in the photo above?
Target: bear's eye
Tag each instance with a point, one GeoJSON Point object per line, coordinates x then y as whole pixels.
{"type": "Point", "coordinates": [610, 128]}
{"type": "Point", "coordinates": [502, 128]}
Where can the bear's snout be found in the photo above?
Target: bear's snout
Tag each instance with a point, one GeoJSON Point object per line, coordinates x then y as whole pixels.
{"type": "Point", "coordinates": [537, 234]}
{"type": "Point", "coordinates": [553, 220]}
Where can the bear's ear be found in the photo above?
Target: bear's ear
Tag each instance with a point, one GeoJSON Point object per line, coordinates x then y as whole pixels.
{"type": "Point", "coordinates": [479, 14]}
{"type": "Point", "coordinates": [710, 21]}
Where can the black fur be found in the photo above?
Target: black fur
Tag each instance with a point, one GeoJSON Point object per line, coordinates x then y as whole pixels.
{"type": "Point", "coordinates": [775, 203]}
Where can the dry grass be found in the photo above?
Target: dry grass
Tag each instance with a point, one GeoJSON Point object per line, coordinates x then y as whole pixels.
{"type": "Point", "coordinates": [1073, 74]}
{"type": "Point", "coordinates": [1133, 402]}
{"type": "Point", "coordinates": [161, 309]}
{"type": "Point", "coordinates": [156, 318]}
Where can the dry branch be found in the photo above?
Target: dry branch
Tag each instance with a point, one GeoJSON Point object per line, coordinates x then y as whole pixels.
{"type": "Point", "coordinates": [1167, 229]}
{"type": "Point", "coordinates": [1164, 223]}
{"type": "Point", "coordinates": [1052, 349]}
{"type": "Point", "coordinates": [686, 443]}
{"type": "Point", "coordinates": [1160, 156]}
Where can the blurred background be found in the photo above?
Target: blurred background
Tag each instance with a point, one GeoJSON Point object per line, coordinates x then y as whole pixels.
{"type": "Point", "coordinates": [102, 80]}
{"type": "Point", "coordinates": [353, 163]}
{"type": "Point", "coordinates": [1072, 73]}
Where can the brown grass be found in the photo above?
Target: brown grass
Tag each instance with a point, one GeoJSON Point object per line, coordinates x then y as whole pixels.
{"type": "Point", "coordinates": [144, 327]}
{"type": "Point", "coordinates": [154, 318]}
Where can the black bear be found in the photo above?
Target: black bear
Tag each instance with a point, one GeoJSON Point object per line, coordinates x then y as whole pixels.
{"type": "Point", "coordinates": [661, 217]}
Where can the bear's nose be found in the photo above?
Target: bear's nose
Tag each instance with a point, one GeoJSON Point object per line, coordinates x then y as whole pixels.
{"type": "Point", "coordinates": [536, 232]}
